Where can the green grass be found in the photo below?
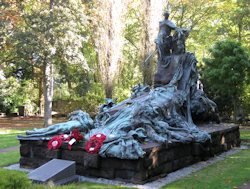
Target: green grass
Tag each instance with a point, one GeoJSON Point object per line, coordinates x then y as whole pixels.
{"type": "Point", "coordinates": [245, 137]}
{"type": "Point", "coordinates": [7, 137]}
{"type": "Point", "coordinates": [89, 185]}
{"type": "Point", "coordinates": [228, 173]}
{"type": "Point", "coordinates": [231, 172]}
{"type": "Point", "coordinates": [8, 158]}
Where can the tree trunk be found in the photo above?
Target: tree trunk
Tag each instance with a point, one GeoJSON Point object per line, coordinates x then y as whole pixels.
{"type": "Point", "coordinates": [153, 14]}
{"type": "Point", "coordinates": [48, 93]}
{"type": "Point", "coordinates": [109, 41]}
{"type": "Point", "coordinates": [48, 81]}
{"type": "Point", "coordinates": [40, 92]}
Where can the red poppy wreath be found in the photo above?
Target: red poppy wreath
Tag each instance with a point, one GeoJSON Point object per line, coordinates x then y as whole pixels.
{"type": "Point", "coordinates": [56, 142]}
{"type": "Point", "coordinates": [95, 143]}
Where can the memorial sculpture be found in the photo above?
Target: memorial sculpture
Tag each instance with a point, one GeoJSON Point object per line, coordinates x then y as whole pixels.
{"type": "Point", "coordinates": [163, 114]}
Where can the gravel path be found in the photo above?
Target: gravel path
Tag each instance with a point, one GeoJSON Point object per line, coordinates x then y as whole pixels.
{"type": "Point", "coordinates": [155, 184]}
{"type": "Point", "coordinates": [9, 149]}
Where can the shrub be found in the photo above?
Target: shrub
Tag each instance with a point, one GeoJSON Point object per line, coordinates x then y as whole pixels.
{"type": "Point", "coordinates": [14, 179]}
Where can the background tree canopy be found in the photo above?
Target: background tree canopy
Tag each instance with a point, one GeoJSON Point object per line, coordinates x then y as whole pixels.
{"type": "Point", "coordinates": [227, 71]}
{"type": "Point", "coordinates": [86, 50]}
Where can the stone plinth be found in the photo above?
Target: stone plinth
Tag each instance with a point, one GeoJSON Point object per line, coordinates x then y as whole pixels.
{"type": "Point", "coordinates": [159, 159]}
{"type": "Point", "coordinates": [56, 171]}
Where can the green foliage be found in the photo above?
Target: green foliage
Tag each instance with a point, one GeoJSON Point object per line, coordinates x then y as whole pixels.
{"type": "Point", "coordinates": [14, 93]}
{"type": "Point", "coordinates": [227, 71]}
{"type": "Point", "coordinates": [235, 16]}
{"type": "Point", "coordinates": [94, 98]}
{"type": "Point", "coordinates": [13, 179]}
{"type": "Point", "coordinates": [16, 179]}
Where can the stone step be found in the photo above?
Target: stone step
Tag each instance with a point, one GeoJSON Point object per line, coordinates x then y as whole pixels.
{"type": "Point", "coordinates": [56, 171]}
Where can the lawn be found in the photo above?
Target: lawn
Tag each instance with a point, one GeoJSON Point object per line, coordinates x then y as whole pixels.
{"type": "Point", "coordinates": [228, 173]}
{"type": "Point", "coordinates": [7, 137]}
{"type": "Point", "coordinates": [8, 158]}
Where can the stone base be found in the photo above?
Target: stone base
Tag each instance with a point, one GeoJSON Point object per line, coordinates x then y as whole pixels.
{"type": "Point", "coordinates": [56, 171]}
{"type": "Point", "coordinates": [159, 159]}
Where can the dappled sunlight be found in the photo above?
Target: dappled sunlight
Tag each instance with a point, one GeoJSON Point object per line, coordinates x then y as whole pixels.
{"type": "Point", "coordinates": [10, 131]}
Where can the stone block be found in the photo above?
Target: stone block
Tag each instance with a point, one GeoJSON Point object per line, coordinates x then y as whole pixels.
{"type": "Point", "coordinates": [224, 147]}
{"type": "Point", "coordinates": [75, 147]}
{"type": "Point", "coordinates": [229, 137]}
{"type": "Point", "coordinates": [124, 174]}
{"type": "Point", "coordinates": [45, 153]}
{"type": "Point", "coordinates": [215, 150]}
{"type": "Point", "coordinates": [32, 162]}
{"type": "Point", "coordinates": [91, 160]}
{"type": "Point", "coordinates": [216, 140]}
{"type": "Point", "coordinates": [198, 149]}
{"type": "Point", "coordinates": [168, 167]}
{"type": "Point", "coordinates": [25, 150]}
{"type": "Point", "coordinates": [238, 141]}
{"type": "Point", "coordinates": [185, 161]}
{"type": "Point", "coordinates": [175, 165]}
{"type": "Point", "coordinates": [95, 172]}
{"type": "Point", "coordinates": [183, 150]}
{"type": "Point", "coordinates": [155, 170]}
{"type": "Point", "coordinates": [165, 156]}
{"type": "Point", "coordinates": [229, 145]}
{"type": "Point", "coordinates": [140, 176]}
{"type": "Point", "coordinates": [116, 163]}
{"type": "Point", "coordinates": [77, 156]}
{"type": "Point", "coordinates": [41, 143]}
{"type": "Point", "coordinates": [148, 162]}
{"type": "Point", "coordinates": [81, 170]}
{"type": "Point", "coordinates": [106, 173]}
{"type": "Point", "coordinates": [55, 171]}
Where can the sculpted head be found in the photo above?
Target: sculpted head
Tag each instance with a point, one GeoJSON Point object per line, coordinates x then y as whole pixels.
{"type": "Point", "coordinates": [166, 14]}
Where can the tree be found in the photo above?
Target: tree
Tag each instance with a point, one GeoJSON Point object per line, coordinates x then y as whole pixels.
{"type": "Point", "coordinates": [235, 20]}
{"type": "Point", "coordinates": [53, 34]}
{"type": "Point", "coordinates": [14, 93]}
{"type": "Point", "coordinates": [153, 14]}
{"type": "Point", "coordinates": [228, 69]}
{"type": "Point", "coordinates": [109, 40]}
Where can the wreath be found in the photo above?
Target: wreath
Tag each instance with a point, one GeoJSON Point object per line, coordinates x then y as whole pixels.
{"type": "Point", "coordinates": [95, 143]}
{"type": "Point", "coordinates": [56, 142]}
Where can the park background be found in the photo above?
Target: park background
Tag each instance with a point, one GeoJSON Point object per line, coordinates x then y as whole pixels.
{"type": "Point", "coordinates": [77, 53]}
{"type": "Point", "coordinates": [87, 50]}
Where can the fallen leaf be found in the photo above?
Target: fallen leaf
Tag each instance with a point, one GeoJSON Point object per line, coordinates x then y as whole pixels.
{"type": "Point", "coordinates": [229, 181]}
{"type": "Point", "coordinates": [225, 185]}
{"type": "Point", "coordinates": [144, 143]}
{"type": "Point", "coordinates": [235, 187]}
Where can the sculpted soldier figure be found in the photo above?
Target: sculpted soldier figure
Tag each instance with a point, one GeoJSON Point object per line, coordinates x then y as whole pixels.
{"type": "Point", "coordinates": [164, 40]}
